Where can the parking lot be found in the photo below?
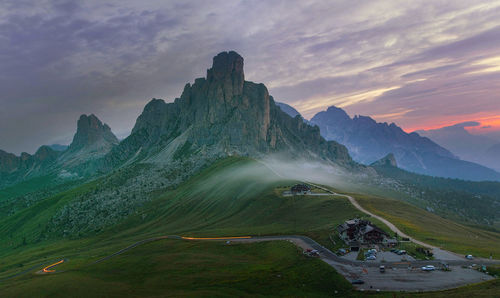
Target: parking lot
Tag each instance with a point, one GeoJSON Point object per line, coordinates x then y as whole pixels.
{"type": "Point", "coordinates": [388, 256]}
{"type": "Point", "coordinates": [404, 279]}
{"type": "Point", "coordinates": [382, 256]}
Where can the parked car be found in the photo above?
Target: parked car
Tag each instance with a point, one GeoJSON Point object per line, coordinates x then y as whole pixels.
{"type": "Point", "coordinates": [371, 258]}
{"type": "Point", "coordinates": [428, 268]}
{"type": "Point", "coordinates": [357, 282]}
{"type": "Point", "coordinates": [311, 252]}
{"type": "Point", "coordinates": [372, 251]}
{"type": "Point", "coordinates": [401, 252]}
{"type": "Point", "coordinates": [381, 269]}
{"type": "Point", "coordinates": [469, 257]}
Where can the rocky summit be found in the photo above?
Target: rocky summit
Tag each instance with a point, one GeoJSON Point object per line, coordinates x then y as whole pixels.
{"type": "Point", "coordinates": [91, 142]}
{"type": "Point", "coordinates": [223, 114]}
{"type": "Point", "coordinates": [91, 132]}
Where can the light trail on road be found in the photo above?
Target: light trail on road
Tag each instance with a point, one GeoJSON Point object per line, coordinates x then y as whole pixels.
{"type": "Point", "coordinates": [217, 238]}
{"type": "Point", "coordinates": [47, 269]}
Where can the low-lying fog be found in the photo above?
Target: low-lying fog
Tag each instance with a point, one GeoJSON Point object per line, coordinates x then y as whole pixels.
{"type": "Point", "coordinates": [258, 174]}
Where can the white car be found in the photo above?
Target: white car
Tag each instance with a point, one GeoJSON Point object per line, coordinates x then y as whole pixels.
{"type": "Point", "coordinates": [469, 257]}
{"type": "Point", "coordinates": [428, 268]}
{"type": "Point", "coordinates": [371, 258]}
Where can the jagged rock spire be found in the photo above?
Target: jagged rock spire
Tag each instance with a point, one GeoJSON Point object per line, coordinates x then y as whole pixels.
{"type": "Point", "coordinates": [227, 68]}
{"type": "Point", "coordinates": [91, 130]}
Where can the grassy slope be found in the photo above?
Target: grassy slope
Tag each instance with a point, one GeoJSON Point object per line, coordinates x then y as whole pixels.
{"type": "Point", "coordinates": [229, 205]}
{"type": "Point", "coordinates": [182, 268]}
{"type": "Point", "coordinates": [26, 187]}
{"type": "Point", "coordinates": [226, 206]}
{"type": "Point", "coordinates": [179, 268]}
{"type": "Point", "coordinates": [433, 229]}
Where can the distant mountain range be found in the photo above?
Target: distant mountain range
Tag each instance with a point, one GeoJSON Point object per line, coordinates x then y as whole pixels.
{"type": "Point", "coordinates": [369, 141]}
{"type": "Point", "coordinates": [477, 148]}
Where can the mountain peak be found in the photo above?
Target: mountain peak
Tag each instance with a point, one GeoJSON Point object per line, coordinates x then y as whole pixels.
{"type": "Point", "coordinates": [91, 131]}
{"type": "Point", "coordinates": [227, 70]}
{"type": "Point", "coordinates": [223, 114]}
{"type": "Point", "coordinates": [226, 64]}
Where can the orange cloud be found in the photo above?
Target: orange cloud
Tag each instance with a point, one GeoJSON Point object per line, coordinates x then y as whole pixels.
{"type": "Point", "coordinates": [488, 123]}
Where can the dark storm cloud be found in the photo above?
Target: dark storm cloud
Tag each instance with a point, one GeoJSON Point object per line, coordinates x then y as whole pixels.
{"type": "Point", "coordinates": [59, 59]}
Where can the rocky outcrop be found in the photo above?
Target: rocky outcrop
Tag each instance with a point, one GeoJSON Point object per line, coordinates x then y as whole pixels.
{"type": "Point", "coordinates": [387, 161]}
{"type": "Point", "coordinates": [8, 162]}
{"type": "Point", "coordinates": [223, 114]}
{"type": "Point", "coordinates": [15, 168]}
{"type": "Point", "coordinates": [92, 133]}
{"type": "Point", "coordinates": [92, 140]}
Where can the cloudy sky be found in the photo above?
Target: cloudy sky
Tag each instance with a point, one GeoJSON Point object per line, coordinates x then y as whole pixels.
{"type": "Point", "coordinates": [420, 64]}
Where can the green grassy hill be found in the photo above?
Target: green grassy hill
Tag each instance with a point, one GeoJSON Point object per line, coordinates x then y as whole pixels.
{"type": "Point", "coordinates": [433, 229]}
{"type": "Point", "coordinates": [232, 197]}
{"type": "Point", "coordinates": [183, 268]}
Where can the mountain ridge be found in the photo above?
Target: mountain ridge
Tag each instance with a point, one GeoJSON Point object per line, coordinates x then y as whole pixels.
{"type": "Point", "coordinates": [92, 140]}
{"type": "Point", "coordinates": [369, 141]}
{"type": "Point", "coordinates": [224, 114]}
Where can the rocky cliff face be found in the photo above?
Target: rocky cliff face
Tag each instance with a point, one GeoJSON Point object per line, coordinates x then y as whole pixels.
{"type": "Point", "coordinates": [92, 140]}
{"type": "Point", "coordinates": [14, 168]}
{"type": "Point", "coordinates": [92, 134]}
{"type": "Point", "coordinates": [223, 114]}
{"type": "Point", "coordinates": [8, 162]}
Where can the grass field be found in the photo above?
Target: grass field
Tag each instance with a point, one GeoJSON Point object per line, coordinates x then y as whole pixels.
{"type": "Point", "coordinates": [432, 229]}
{"type": "Point", "coordinates": [192, 268]}
{"type": "Point", "coordinates": [182, 268]}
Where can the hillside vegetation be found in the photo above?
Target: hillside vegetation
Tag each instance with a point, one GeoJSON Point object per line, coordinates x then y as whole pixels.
{"type": "Point", "coordinates": [233, 197]}
{"type": "Point", "coordinates": [432, 229]}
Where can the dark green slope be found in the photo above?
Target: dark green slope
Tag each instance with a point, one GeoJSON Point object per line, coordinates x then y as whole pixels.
{"type": "Point", "coordinates": [476, 203]}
